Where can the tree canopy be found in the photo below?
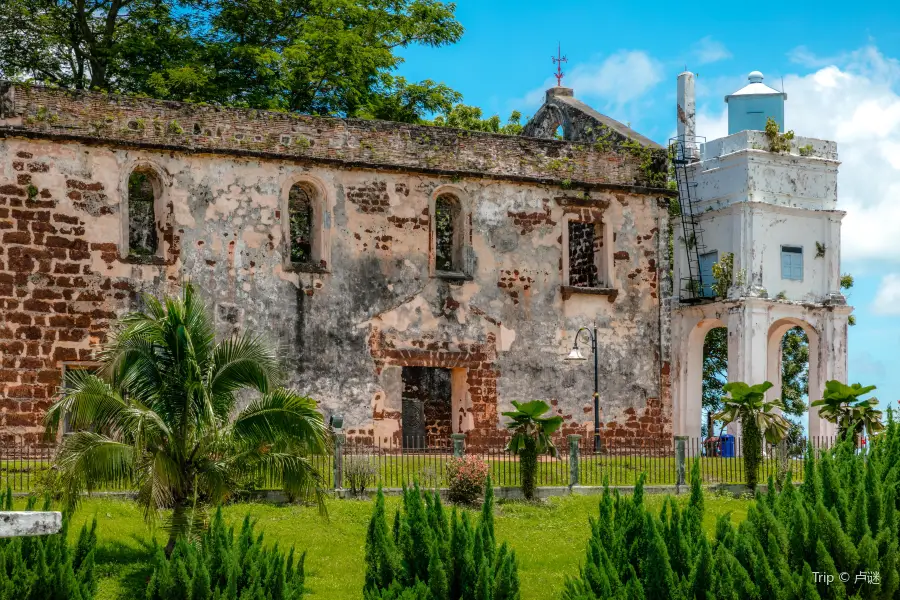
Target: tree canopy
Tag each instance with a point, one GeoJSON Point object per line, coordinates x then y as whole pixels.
{"type": "Point", "coordinates": [330, 57]}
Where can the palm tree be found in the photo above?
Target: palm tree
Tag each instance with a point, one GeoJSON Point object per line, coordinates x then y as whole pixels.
{"type": "Point", "coordinates": [747, 404]}
{"type": "Point", "coordinates": [159, 412]}
{"type": "Point", "coordinates": [841, 405]}
{"type": "Point", "coordinates": [531, 438]}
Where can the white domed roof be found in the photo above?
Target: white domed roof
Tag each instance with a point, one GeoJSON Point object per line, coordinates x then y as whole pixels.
{"type": "Point", "coordinates": [756, 87]}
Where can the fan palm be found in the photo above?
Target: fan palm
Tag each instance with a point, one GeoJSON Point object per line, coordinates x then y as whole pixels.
{"type": "Point", "coordinates": [841, 404]}
{"type": "Point", "coordinates": [747, 404]}
{"type": "Point", "coordinates": [531, 438]}
{"type": "Point", "coordinates": [158, 413]}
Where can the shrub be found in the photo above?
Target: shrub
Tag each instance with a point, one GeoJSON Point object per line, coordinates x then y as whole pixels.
{"type": "Point", "coordinates": [359, 473]}
{"type": "Point", "coordinates": [426, 557]}
{"type": "Point", "coordinates": [223, 566]}
{"type": "Point", "coordinates": [842, 519]}
{"type": "Point", "coordinates": [531, 438]}
{"type": "Point", "coordinates": [466, 476]}
{"type": "Point", "coordinates": [46, 566]}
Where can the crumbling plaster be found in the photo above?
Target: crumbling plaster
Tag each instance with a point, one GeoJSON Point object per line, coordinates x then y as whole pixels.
{"type": "Point", "coordinates": [371, 306]}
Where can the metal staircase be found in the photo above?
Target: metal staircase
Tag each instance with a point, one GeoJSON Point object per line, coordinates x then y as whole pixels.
{"type": "Point", "coordinates": [685, 150]}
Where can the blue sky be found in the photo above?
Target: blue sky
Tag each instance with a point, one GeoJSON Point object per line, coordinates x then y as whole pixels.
{"type": "Point", "coordinates": [841, 69]}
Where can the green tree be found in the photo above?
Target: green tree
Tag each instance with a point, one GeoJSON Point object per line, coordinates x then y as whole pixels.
{"type": "Point", "coordinates": [462, 116]}
{"type": "Point", "coordinates": [531, 438]}
{"type": "Point", "coordinates": [334, 57]}
{"type": "Point", "coordinates": [841, 404]}
{"type": "Point", "coordinates": [747, 405]}
{"type": "Point", "coordinates": [160, 411]}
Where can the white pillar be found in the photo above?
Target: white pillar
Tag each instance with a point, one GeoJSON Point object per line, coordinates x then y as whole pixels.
{"type": "Point", "coordinates": [687, 113]}
{"type": "Point", "coordinates": [831, 363]}
{"type": "Point", "coordinates": [747, 345]}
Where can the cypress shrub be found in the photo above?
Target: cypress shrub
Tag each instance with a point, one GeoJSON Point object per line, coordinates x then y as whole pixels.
{"type": "Point", "coordinates": [842, 519]}
{"type": "Point", "coordinates": [224, 565]}
{"type": "Point", "coordinates": [428, 557]}
{"type": "Point", "coordinates": [45, 567]}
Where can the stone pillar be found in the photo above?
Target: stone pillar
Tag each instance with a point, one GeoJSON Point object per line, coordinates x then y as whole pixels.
{"type": "Point", "coordinates": [748, 328]}
{"type": "Point", "coordinates": [459, 444]}
{"type": "Point", "coordinates": [830, 355]}
{"type": "Point", "coordinates": [339, 441]}
{"type": "Point", "coordinates": [687, 114]}
{"type": "Point", "coordinates": [574, 461]}
{"type": "Point", "coordinates": [680, 454]}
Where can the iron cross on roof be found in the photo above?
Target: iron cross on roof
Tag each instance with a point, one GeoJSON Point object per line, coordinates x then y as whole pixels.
{"type": "Point", "coordinates": [558, 60]}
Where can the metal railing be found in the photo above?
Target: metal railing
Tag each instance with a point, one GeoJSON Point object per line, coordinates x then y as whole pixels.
{"type": "Point", "coordinates": [397, 462]}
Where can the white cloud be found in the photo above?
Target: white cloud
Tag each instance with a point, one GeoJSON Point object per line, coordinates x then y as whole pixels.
{"type": "Point", "coordinates": [707, 50]}
{"type": "Point", "coordinates": [621, 78]}
{"type": "Point", "coordinates": [887, 298]}
{"type": "Point", "coordinates": [855, 102]}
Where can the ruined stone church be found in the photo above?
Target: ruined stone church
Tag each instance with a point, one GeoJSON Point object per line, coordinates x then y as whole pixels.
{"type": "Point", "coordinates": [415, 279]}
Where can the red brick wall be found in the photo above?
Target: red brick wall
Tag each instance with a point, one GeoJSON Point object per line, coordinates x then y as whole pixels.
{"type": "Point", "coordinates": [54, 307]}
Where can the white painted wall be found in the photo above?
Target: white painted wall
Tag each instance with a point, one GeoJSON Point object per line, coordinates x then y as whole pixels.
{"type": "Point", "coordinates": [751, 202]}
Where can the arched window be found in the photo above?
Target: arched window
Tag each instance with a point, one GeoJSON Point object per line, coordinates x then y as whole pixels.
{"type": "Point", "coordinates": [300, 211]}
{"type": "Point", "coordinates": [448, 234]}
{"type": "Point", "coordinates": [143, 238]}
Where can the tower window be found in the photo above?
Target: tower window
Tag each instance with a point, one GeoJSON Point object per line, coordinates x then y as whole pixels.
{"type": "Point", "coordinates": [301, 224]}
{"type": "Point", "coordinates": [143, 239]}
{"type": "Point", "coordinates": [792, 263]}
{"type": "Point", "coordinates": [449, 235]}
{"type": "Point", "coordinates": [707, 261]}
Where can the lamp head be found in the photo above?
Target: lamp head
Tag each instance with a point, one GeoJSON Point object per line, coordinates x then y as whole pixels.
{"type": "Point", "coordinates": [336, 421]}
{"type": "Point", "coordinates": [575, 354]}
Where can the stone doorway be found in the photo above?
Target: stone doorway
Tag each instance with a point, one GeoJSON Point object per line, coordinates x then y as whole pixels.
{"type": "Point", "coordinates": [427, 405]}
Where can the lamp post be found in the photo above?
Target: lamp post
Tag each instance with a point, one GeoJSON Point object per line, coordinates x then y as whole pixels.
{"type": "Point", "coordinates": [576, 354]}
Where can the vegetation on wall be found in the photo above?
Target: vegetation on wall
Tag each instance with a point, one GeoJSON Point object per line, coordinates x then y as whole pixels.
{"type": "Point", "coordinates": [778, 142]}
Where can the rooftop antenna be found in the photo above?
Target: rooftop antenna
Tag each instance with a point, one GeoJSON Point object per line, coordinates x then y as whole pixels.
{"type": "Point", "coordinates": [782, 84]}
{"type": "Point", "coordinates": [558, 60]}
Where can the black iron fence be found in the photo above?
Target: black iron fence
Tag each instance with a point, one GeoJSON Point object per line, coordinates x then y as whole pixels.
{"type": "Point", "coordinates": [395, 463]}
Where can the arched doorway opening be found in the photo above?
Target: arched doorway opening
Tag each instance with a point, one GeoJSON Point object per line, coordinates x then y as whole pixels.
{"type": "Point", "coordinates": [715, 376]}
{"type": "Point", "coordinates": [705, 377]}
{"type": "Point", "coordinates": [792, 368]}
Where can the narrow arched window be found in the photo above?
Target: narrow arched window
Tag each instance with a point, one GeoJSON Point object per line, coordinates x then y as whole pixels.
{"type": "Point", "coordinates": [143, 239]}
{"type": "Point", "coordinates": [448, 234]}
{"type": "Point", "coordinates": [300, 210]}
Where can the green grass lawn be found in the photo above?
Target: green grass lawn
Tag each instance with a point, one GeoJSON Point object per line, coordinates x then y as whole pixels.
{"type": "Point", "coordinates": [548, 539]}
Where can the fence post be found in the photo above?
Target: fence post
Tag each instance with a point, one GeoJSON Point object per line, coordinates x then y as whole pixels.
{"type": "Point", "coordinates": [574, 467]}
{"type": "Point", "coordinates": [339, 440]}
{"type": "Point", "coordinates": [680, 444]}
{"type": "Point", "coordinates": [459, 444]}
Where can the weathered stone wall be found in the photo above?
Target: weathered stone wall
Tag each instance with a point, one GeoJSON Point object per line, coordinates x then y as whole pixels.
{"type": "Point", "coordinates": [347, 142]}
{"type": "Point", "coordinates": [346, 329]}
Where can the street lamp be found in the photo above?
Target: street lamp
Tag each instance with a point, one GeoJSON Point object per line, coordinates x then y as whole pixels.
{"type": "Point", "coordinates": [576, 354]}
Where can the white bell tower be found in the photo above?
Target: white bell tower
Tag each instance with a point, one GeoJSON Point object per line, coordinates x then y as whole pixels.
{"type": "Point", "coordinates": [770, 203]}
